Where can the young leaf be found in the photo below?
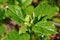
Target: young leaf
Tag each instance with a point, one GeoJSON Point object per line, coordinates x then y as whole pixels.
{"type": "Point", "coordinates": [2, 14]}
{"type": "Point", "coordinates": [29, 10]}
{"type": "Point", "coordinates": [25, 36]}
{"type": "Point", "coordinates": [13, 35]}
{"type": "Point", "coordinates": [45, 9]}
{"type": "Point", "coordinates": [15, 14]}
{"type": "Point", "coordinates": [2, 29]}
{"type": "Point", "coordinates": [23, 29]}
{"type": "Point", "coordinates": [56, 20]}
{"type": "Point", "coordinates": [44, 27]}
{"type": "Point", "coordinates": [26, 3]}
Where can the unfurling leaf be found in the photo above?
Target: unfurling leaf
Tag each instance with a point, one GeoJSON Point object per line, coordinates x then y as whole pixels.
{"type": "Point", "coordinates": [23, 29]}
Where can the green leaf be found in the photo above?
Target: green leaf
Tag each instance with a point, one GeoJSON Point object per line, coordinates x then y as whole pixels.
{"type": "Point", "coordinates": [3, 1]}
{"type": "Point", "coordinates": [2, 29]}
{"type": "Point", "coordinates": [44, 27]}
{"type": "Point", "coordinates": [15, 14]}
{"type": "Point", "coordinates": [13, 35]}
{"type": "Point", "coordinates": [25, 36]}
{"type": "Point", "coordinates": [2, 14]}
{"type": "Point", "coordinates": [12, 2]}
{"type": "Point", "coordinates": [26, 3]}
{"type": "Point", "coordinates": [23, 29]}
{"type": "Point", "coordinates": [21, 1]}
{"type": "Point", "coordinates": [29, 10]}
{"type": "Point", "coordinates": [19, 12]}
{"type": "Point", "coordinates": [45, 9]}
{"type": "Point", "coordinates": [56, 20]}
